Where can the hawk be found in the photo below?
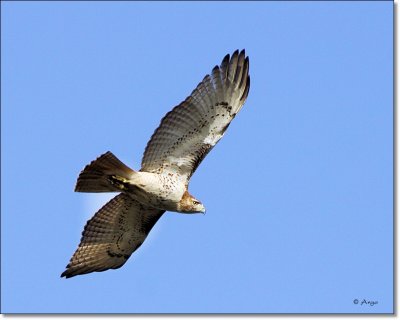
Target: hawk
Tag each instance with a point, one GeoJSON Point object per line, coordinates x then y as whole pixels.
{"type": "Point", "coordinates": [183, 139]}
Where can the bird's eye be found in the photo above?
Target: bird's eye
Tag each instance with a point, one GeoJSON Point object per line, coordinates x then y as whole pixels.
{"type": "Point", "coordinates": [196, 202]}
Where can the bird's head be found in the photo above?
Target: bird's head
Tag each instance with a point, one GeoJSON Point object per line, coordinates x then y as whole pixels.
{"type": "Point", "coordinates": [190, 204]}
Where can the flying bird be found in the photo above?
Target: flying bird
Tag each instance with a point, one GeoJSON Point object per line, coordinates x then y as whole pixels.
{"type": "Point", "coordinates": [184, 137]}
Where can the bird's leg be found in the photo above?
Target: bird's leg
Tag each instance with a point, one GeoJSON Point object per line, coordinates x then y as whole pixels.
{"type": "Point", "coordinates": [119, 182]}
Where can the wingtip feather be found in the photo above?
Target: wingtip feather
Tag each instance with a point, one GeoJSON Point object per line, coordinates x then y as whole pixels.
{"type": "Point", "coordinates": [246, 90]}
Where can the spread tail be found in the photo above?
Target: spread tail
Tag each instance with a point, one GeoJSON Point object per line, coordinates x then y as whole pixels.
{"type": "Point", "coordinates": [98, 176]}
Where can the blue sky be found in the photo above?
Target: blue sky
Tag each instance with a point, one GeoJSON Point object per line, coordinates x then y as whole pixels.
{"type": "Point", "coordinates": [299, 192]}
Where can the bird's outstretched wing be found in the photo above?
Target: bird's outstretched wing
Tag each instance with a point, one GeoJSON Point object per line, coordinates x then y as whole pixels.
{"type": "Point", "coordinates": [188, 132]}
{"type": "Point", "coordinates": [112, 235]}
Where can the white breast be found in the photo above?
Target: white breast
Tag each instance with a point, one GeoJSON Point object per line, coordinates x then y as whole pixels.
{"type": "Point", "coordinates": [164, 187]}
